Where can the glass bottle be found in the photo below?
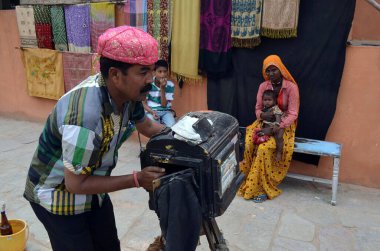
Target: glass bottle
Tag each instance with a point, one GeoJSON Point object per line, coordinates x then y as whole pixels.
{"type": "Point", "coordinates": [5, 227]}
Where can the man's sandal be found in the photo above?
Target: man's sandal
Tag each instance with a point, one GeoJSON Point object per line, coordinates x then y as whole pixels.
{"type": "Point", "coordinates": [260, 198]}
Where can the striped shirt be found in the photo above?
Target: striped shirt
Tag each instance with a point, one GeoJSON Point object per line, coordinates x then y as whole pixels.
{"type": "Point", "coordinates": [82, 134]}
{"type": "Point", "coordinates": [154, 97]}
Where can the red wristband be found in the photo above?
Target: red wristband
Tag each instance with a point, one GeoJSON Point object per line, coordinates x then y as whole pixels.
{"type": "Point", "coordinates": [136, 179]}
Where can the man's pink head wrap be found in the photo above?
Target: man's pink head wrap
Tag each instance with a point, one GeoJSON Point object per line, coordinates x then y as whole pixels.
{"type": "Point", "coordinates": [128, 44]}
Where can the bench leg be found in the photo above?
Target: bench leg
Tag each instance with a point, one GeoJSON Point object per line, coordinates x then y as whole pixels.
{"type": "Point", "coordinates": [335, 180]}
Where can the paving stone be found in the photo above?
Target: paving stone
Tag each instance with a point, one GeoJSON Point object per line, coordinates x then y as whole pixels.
{"type": "Point", "coordinates": [285, 244]}
{"type": "Point", "coordinates": [367, 239]}
{"type": "Point", "coordinates": [144, 229]}
{"type": "Point", "coordinates": [296, 228]}
{"type": "Point", "coordinates": [254, 227]}
{"type": "Point", "coordinates": [336, 238]}
{"type": "Point", "coordinates": [358, 218]}
{"type": "Point", "coordinates": [319, 214]}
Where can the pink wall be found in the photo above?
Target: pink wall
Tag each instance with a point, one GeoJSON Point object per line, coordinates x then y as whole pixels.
{"type": "Point", "coordinates": [14, 100]}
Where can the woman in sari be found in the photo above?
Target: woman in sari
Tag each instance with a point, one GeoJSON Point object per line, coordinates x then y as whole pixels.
{"type": "Point", "coordinates": [263, 172]}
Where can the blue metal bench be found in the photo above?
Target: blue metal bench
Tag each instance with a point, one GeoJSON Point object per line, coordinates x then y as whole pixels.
{"type": "Point", "coordinates": [321, 148]}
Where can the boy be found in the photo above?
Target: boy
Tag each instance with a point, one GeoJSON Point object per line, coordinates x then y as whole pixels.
{"type": "Point", "coordinates": [159, 99]}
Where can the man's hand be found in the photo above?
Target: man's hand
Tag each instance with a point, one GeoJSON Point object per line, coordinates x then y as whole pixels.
{"type": "Point", "coordinates": [148, 174]}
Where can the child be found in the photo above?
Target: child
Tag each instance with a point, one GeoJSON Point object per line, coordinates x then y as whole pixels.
{"type": "Point", "coordinates": [269, 103]}
{"type": "Point", "coordinates": [159, 99]}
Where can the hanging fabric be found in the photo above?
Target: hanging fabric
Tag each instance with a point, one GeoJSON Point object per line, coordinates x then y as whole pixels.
{"type": "Point", "coordinates": [280, 18]}
{"type": "Point", "coordinates": [245, 23]}
{"type": "Point", "coordinates": [26, 27]}
{"type": "Point", "coordinates": [59, 28]}
{"type": "Point", "coordinates": [102, 18]}
{"type": "Point", "coordinates": [43, 26]}
{"type": "Point", "coordinates": [215, 37]}
{"type": "Point", "coordinates": [44, 73]}
{"type": "Point", "coordinates": [135, 12]}
{"type": "Point", "coordinates": [119, 14]}
{"type": "Point", "coordinates": [185, 40]}
{"type": "Point", "coordinates": [76, 68]}
{"type": "Point", "coordinates": [158, 25]}
{"type": "Point", "coordinates": [95, 63]}
{"type": "Point", "coordinates": [77, 18]}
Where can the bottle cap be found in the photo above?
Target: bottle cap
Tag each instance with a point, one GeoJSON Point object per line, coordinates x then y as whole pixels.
{"type": "Point", "coordinates": [2, 206]}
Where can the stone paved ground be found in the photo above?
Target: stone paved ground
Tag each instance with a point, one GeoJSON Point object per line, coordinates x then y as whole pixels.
{"type": "Point", "coordinates": [301, 219]}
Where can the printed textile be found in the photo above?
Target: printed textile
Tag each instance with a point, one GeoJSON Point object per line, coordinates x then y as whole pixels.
{"type": "Point", "coordinates": [77, 18]}
{"type": "Point", "coordinates": [158, 25]}
{"type": "Point", "coordinates": [42, 21]}
{"type": "Point", "coordinates": [76, 68]}
{"type": "Point", "coordinates": [280, 18]}
{"type": "Point", "coordinates": [44, 73]}
{"type": "Point", "coordinates": [185, 40]}
{"type": "Point", "coordinates": [95, 64]}
{"type": "Point", "coordinates": [245, 23]}
{"type": "Point", "coordinates": [26, 27]}
{"type": "Point", "coordinates": [128, 44]}
{"type": "Point", "coordinates": [215, 37]}
{"type": "Point", "coordinates": [59, 28]}
{"type": "Point", "coordinates": [135, 12]}
{"type": "Point", "coordinates": [102, 18]}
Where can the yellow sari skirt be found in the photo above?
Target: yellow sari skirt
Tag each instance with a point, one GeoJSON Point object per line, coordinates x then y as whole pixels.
{"type": "Point", "coordinates": [262, 172]}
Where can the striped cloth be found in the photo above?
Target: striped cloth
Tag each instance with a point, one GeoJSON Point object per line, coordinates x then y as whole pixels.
{"type": "Point", "coordinates": [280, 18]}
{"type": "Point", "coordinates": [44, 72]}
{"type": "Point", "coordinates": [102, 18]}
{"type": "Point", "coordinates": [245, 23]}
{"type": "Point", "coordinates": [135, 12]}
{"type": "Point", "coordinates": [76, 68]}
{"type": "Point", "coordinates": [59, 28]}
{"type": "Point", "coordinates": [77, 18]}
{"type": "Point", "coordinates": [154, 96]}
{"type": "Point", "coordinates": [158, 25]}
{"type": "Point", "coordinates": [82, 137]}
{"type": "Point", "coordinates": [26, 27]}
{"type": "Point", "coordinates": [42, 20]}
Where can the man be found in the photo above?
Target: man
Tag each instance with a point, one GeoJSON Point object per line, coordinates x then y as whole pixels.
{"type": "Point", "coordinates": [69, 176]}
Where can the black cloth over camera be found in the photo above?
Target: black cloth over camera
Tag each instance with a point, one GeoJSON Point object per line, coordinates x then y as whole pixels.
{"type": "Point", "coordinates": [178, 208]}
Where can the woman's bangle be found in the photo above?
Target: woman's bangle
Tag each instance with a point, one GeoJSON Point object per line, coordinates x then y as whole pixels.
{"type": "Point", "coordinates": [135, 178]}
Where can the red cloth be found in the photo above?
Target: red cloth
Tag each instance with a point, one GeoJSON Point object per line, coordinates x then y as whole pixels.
{"type": "Point", "coordinates": [257, 140]}
{"type": "Point", "coordinates": [44, 36]}
{"type": "Point", "coordinates": [76, 68]}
